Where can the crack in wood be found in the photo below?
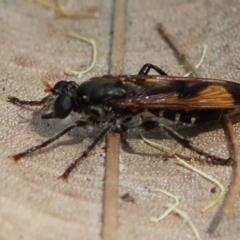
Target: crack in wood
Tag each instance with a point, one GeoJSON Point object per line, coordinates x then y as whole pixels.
{"type": "Point", "coordinates": [111, 179]}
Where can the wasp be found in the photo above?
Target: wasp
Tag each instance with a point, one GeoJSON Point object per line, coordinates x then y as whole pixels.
{"type": "Point", "coordinates": [120, 103]}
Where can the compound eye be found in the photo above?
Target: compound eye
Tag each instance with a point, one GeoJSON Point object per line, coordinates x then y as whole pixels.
{"type": "Point", "coordinates": [60, 85]}
{"type": "Point", "coordinates": [62, 106]}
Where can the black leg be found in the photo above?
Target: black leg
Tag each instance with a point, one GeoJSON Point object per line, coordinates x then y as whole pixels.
{"type": "Point", "coordinates": [20, 102]}
{"type": "Point", "coordinates": [153, 124]}
{"type": "Point", "coordinates": [148, 66]}
{"type": "Point", "coordinates": [16, 157]}
{"type": "Point", "coordinates": [74, 164]}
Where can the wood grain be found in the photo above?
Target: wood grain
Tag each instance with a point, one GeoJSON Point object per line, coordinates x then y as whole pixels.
{"type": "Point", "coordinates": [34, 204]}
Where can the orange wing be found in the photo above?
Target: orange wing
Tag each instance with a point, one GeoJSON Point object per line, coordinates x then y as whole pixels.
{"type": "Point", "coordinates": [169, 92]}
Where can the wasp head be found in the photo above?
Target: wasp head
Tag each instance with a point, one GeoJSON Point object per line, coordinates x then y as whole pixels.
{"type": "Point", "coordinates": [64, 93]}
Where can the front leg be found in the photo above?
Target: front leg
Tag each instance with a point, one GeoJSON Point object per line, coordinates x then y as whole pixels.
{"type": "Point", "coordinates": [19, 102]}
